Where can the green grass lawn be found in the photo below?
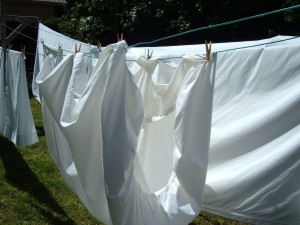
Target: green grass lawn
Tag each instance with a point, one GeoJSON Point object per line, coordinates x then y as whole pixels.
{"type": "Point", "coordinates": [32, 191]}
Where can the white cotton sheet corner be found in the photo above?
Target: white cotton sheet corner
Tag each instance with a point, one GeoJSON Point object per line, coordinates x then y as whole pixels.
{"type": "Point", "coordinates": [103, 138]}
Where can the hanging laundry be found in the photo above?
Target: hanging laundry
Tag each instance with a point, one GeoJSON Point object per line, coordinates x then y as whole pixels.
{"type": "Point", "coordinates": [49, 37]}
{"type": "Point", "coordinates": [188, 65]}
{"type": "Point", "coordinates": [50, 41]}
{"type": "Point", "coordinates": [16, 117]}
{"type": "Point", "coordinates": [57, 53]}
{"type": "Point", "coordinates": [101, 124]}
{"type": "Point", "coordinates": [254, 144]}
{"type": "Point", "coordinates": [92, 58]}
{"type": "Point", "coordinates": [143, 79]}
{"type": "Point", "coordinates": [57, 144]}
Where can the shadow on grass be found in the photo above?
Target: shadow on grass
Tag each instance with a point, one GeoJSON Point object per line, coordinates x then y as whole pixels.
{"type": "Point", "coordinates": [40, 131]}
{"type": "Point", "coordinates": [19, 175]}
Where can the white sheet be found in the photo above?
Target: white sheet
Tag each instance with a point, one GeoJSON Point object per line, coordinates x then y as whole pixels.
{"type": "Point", "coordinates": [15, 113]}
{"type": "Point", "coordinates": [169, 54]}
{"type": "Point", "coordinates": [101, 118]}
{"type": "Point", "coordinates": [255, 142]}
{"type": "Point", "coordinates": [253, 164]}
{"type": "Point", "coordinates": [54, 41]}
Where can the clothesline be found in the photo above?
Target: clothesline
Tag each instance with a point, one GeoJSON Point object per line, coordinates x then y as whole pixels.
{"type": "Point", "coordinates": [28, 37]}
{"type": "Point", "coordinates": [256, 45]}
{"type": "Point", "coordinates": [209, 26]}
{"type": "Point", "coordinates": [177, 57]}
{"type": "Point", "coordinates": [218, 25]}
{"type": "Point", "coordinates": [89, 54]}
{"type": "Point", "coordinates": [183, 33]}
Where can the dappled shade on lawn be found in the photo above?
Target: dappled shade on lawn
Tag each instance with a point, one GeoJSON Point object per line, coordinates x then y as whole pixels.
{"type": "Point", "coordinates": [20, 175]}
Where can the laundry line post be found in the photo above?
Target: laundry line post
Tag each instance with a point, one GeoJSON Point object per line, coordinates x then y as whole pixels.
{"type": "Point", "coordinates": [5, 42]}
{"type": "Point", "coordinates": [3, 45]}
{"type": "Point", "coordinates": [24, 22]}
{"type": "Point", "coordinates": [3, 37]}
{"type": "Point", "coordinates": [3, 21]}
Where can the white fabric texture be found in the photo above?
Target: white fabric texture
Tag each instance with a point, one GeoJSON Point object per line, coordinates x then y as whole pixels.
{"type": "Point", "coordinates": [160, 83]}
{"type": "Point", "coordinates": [100, 120]}
{"type": "Point", "coordinates": [15, 114]}
{"type": "Point", "coordinates": [52, 42]}
{"type": "Point", "coordinates": [253, 165]}
{"type": "Point", "coordinates": [58, 146]}
{"type": "Point", "coordinates": [57, 53]}
{"type": "Point", "coordinates": [255, 141]}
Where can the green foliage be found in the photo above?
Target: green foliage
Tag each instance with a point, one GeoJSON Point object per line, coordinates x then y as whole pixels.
{"type": "Point", "coordinates": [143, 20]}
{"type": "Point", "coordinates": [292, 16]}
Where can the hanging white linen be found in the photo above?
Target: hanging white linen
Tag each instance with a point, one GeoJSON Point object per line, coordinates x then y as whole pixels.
{"type": "Point", "coordinates": [52, 131]}
{"type": "Point", "coordinates": [253, 157]}
{"type": "Point", "coordinates": [254, 164]}
{"type": "Point", "coordinates": [160, 82]}
{"type": "Point", "coordinates": [55, 41]}
{"type": "Point", "coordinates": [58, 146]}
{"type": "Point", "coordinates": [100, 119]}
{"type": "Point", "coordinates": [188, 64]}
{"type": "Point", "coordinates": [16, 116]}
{"type": "Point", "coordinates": [56, 52]}
{"type": "Point", "coordinates": [143, 79]}
{"type": "Point", "coordinates": [55, 137]}
{"type": "Point", "coordinates": [49, 37]}
{"type": "Point", "coordinates": [92, 58]}
{"type": "Point", "coordinates": [174, 53]}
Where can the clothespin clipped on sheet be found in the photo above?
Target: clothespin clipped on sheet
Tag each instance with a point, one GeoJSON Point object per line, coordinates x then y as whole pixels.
{"type": "Point", "coordinates": [46, 51]}
{"type": "Point", "coordinates": [42, 41]}
{"type": "Point", "coordinates": [120, 37]}
{"type": "Point", "coordinates": [99, 46]}
{"type": "Point", "coordinates": [149, 55]}
{"type": "Point", "coordinates": [60, 50]}
{"type": "Point", "coordinates": [208, 50]}
{"type": "Point", "coordinates": [23, 48]}
{"type": "Point", "coordinates": [77, 49]}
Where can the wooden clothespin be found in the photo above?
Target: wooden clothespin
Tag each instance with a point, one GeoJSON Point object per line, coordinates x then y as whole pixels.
{"type": "Point", "coordinates": [23, 48]}
{"type": "Point", "coordinates": [99, 46]}
{"type": "Point", "coordinates": [60, 50]}
{"type": "Point", "coordinates": [46, 51]}
{"type": "Point", "coordinates": [120, 37]}
{"type": "Point", "coordinates": [208, 50]}
{"type": "Point", "coordinates": [149, 55]}
{"type": "Point", "coordinates": [77, 49]}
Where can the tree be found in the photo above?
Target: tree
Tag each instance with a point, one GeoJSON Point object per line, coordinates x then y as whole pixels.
{"type": "Point", "coordinates": [144, 20]}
